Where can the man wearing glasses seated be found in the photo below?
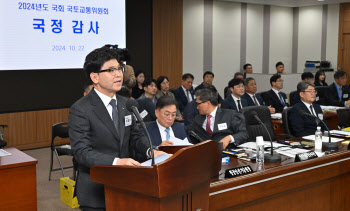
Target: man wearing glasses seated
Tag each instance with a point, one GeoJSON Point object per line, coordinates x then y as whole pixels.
{"type": "Point", "coordinates": [304, 125]}
{"type": "Point", "coordinates": [165, 126]}
{"type": "Point", "coordinates": [213, 123]}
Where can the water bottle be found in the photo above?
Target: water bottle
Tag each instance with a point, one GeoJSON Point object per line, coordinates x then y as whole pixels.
{"type": "Point", "coordinates": [318, 139]}
{"type": "Point", "coordinates": [260, 152]}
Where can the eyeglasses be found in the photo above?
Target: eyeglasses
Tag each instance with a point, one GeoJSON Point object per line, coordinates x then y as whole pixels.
{"type": "Point", "coordinates": [112, 71]}
{"type": "Point", "coordinates": [311, 91]}
{"type": "Point", "coordinates": [279, 80]}
{"type": "Point", "coordinates": [198, 103]}
{"type": "Point", "coordinates": [172, 115]}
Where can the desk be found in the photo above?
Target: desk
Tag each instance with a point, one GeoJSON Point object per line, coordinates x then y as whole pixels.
{"type": "Point", "coordinates": [330, 116]}
{"type": "Point", "coordinates": [317, 184]}
{"type": "Point", "coordinates": [18, 181]}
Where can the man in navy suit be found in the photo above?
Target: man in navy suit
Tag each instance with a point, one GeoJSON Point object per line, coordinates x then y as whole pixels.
{"type": "Point", "coordinates": [304, 125]}
{"type": "Point", "coordinates": [234, 101]}
{"type": "Point", "coordinates": [208, 78]}
{"type": "Point", "coordinates": [220, 125]}
{"type": "Point", "coordinates": [165, 126]}
{"type": "Point", "coordinates": [185, 93]}
{"type": "Point", "coordinates": [337, 93]}
{"type": "Point", "coordinates": [252, 98]}
{"type": "Point", "coordinates": [307, 76]}
{"type": "Point", "coordinates": [275, 98]}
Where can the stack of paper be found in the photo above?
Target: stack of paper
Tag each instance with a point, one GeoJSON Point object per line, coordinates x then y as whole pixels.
{"type": "Point", "coordinates": [324, 138]}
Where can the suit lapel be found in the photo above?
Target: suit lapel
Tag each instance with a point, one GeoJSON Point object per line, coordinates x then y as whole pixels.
{"type": "Point", "coordinates": [218, 116]}
{"type": "Point", "coordinates": [102, 113]}
{"type": "Point", "coordinates": [158, 138]}
{"type": "Point", "coordinates": [121, 116]}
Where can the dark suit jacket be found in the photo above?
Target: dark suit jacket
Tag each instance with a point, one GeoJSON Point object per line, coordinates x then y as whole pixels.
{"type": "Point", "coordinates": [249, 100]}
{"type": "Point", "coordinates": [146, 104]}
{"type": "Point", "coordinates": [271, 99]}
{"type": "Point", "coordinates": [153, 130]}
{"type": "Point", "coordinates": [201, 86]}
{"type": "Point", "coordinates": [332, 95]}
{"type": "Point", "coordinates": [94, 141]}
{"type": "Point", "coordinates": [190, 112]}
{"type": "Point", "coordinates": [304, 125]}
{"type": "Point", "coordinates": [229, 103]}
{"type": "Point", "coordinates": [235, 126]}
{"type": "Point", "coordinates": [181, 98]}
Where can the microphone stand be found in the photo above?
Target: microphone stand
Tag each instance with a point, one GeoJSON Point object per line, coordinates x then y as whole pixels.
{"type": "Point", "coordinates": [270, 158]}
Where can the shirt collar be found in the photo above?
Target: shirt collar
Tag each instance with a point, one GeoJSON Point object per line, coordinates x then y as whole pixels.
{"type": "Point", "coordinates": [251, 95]}
{"type": "Point", "coordinates": [336, 85]}
{"type": "Point", "coordinates": [105, 99]}
{"type": "Point", "coordinates": [213, 113]}
{"type": "Point", "coordinates": [277, 92]}
{"type": "Point", "coordinates": [306, 104]}
{"type": "Point", "coordinates": [161, 128]}
{"type": "Point", "coordinates": [235, 98]}
{"type": "Point", "coordinates": [185, 90]}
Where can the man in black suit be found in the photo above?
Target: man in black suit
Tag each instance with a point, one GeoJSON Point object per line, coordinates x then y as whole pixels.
{"type": "Point", "coordinates": [275, 98]}
{"type": "Point", "coordinates": [214, 123]}
{"type": "Point", "coordinates": [185, 93]}
{"type": "Point", "coordinates": [101, 130]}
{"type": "Point", "coordinates": [337, 93]}
{"type": "Point", "coordinates": [247, 68]}
{"type": "Point", "coordinates": [165, 126]}
{"type": "Point", "coordinates": [304, 125]}
{"type": "Point", "coordinates": [250, 96]}
{"type": "Point", "coordinates": [208, 78]}
{"type": "Point", "coordinates": [234, 101]}
{"type": "Point", "coordinates": [306, 76]}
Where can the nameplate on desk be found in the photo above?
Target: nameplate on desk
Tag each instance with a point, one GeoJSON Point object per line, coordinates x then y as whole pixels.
{"type": "Point", "coordinates": [242, 170]}
{"type": "Point", "coordinates": [305, 156]}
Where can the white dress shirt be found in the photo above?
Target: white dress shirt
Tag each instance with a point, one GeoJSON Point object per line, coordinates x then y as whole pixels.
{"type": "Point", "coordinates": [163, 132]}
{"type": "Point", "coordinates": [252, 96]}
{"type": "Point", "coordinates": [189, 93]}
{"type": "Point", "coordinates": [235, 100]}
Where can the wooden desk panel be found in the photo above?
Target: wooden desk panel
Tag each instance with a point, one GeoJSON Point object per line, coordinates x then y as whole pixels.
{"type": "Point", "coordinates": [317, 184]}
{"type": "Point", "coordinates": [18, 178]}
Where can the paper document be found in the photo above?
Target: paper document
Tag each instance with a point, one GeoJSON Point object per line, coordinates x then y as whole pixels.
{"type": "Point", "coordinates": [324, 138]}
{"type": "Point", "coordinates": [158, 159]}
{"type": "Point", "coordinates": [341, 132]}
{"type": "Point", "coordinates": [330, 108]}
{"type": "Point", "coordinates": [4, 153]}
{"type": "Point", "coordinates": [252, 145]}
{"type": "Point", "coordinates": [291, 152]}
{"type": "Point", "coordinates": [276, 116]}
{"type": "Point", "coordinates": [179, 142]}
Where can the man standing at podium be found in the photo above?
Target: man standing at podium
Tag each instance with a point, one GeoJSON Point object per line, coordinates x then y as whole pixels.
{"type": "Point", "coordinates": [101, 129]}
{"type": "Point", "coordinates": [214, 123]}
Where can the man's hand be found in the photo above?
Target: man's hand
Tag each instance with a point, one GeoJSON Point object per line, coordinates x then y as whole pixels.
{"type": "Point", "coordinates": [167, 143]}
{"type": "Point", "coordinates": [225, 141]}
{"type": "Point", "coordinates": [272, 109]}
{"type": "Point", "coordinates": [348, 103]}
{"type": "Point", "coordinates": [127, 162]}
{"type": "Point", "coordinates": [157, 153]}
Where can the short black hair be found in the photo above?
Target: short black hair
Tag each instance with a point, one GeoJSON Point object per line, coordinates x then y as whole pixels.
{"type": "Point", "coordinates": [208, 73]}
{"type": "Point", "coordinates": [124, 92]}
{"type": "Point", "coordinates": [148, 82]}
{"type": "Point", "coordinates": [279, 63]}
{"type": "Point", "coordinates": [208, 93]}
{"type": "Point", "coordinates": [96, 59]}
{"type": "Point", "coordinates": [307, 75]}
{"type": "Point", "coordinates": [246, 65]}
{"type": "Point", "coordinates": [238, 73]}
{"type": "Point", "coordinates": [274, 78]}
{"type": "Point", "coordinates": [187, 75]}
{"type": "Point", "coordinates": [160, 80]}
{"type": "Point", "coordinates": [303, 85]}
{"type": "Point", "coordinates": [235, 82]}
{"type": "Point", "coordinates": [138, 73]}
{"type": "Point", "coordinates": [165, 101]}
{"type": "Point", "coordinates": [246, 81]}
{"type": "Point", "coordinates": [339, 73]}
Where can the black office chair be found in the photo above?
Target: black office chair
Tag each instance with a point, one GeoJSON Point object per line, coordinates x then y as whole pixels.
{"type": "Point", "coordinates": [61, 130]}
{"type": "Point", "coordinates": [285, 122]}
{"type": "Point", "coordinates": [291, 97]}
{"type": "Point", "coordinates": [321, 93]}
{"type": "Point", "coordinates": [3, 143]}
{"type": "Point", "coordinates": [343, 118]}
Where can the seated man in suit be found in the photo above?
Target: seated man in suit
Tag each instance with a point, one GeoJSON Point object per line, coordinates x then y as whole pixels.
{"type": "Point", "coordinates": [304, 125]}
{"type": "Point", "coordinates": [234, 101]}
{"type": "Point", "coordinates": [252, 98]}
{"type": "Point", "coordinates": [213, 123]}
{"type": "Point", "coordinates": [185, 93]}
{"type": "Point", "coordinates": [247, 68]}
{"type": "Point", "coordinates": [306, 76]}
{"type": "Point", "coordinates": [227, 91]}
{"type": "Point", "coordinates": [337, 93]}
{"type": "Point", "coordinates": [101, 129]}
{"type": "Point", "coordinates": [275, 98]}
{"type": "Point", "coordinates": [280, 68]}
{"type": "Point", "coordinates": [165, 126]}
{"type": "Point", "coordinates": [150, 87]}
{"type": "Point", "coordinates": [208, 78]}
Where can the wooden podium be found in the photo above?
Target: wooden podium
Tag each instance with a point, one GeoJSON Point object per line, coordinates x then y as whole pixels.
{"type": "Point", "coordinates": [179, 183]}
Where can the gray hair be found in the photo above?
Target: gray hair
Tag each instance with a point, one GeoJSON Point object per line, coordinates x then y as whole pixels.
{"type": "Point", "coordinates": [302, 86]}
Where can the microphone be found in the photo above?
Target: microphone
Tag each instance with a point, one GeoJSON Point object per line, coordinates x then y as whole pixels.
{"type": "Point", "coordinates": [132, 105]}
{"type": "Point", "coordinates": [194, 134]}
{"type": "Point", "coordinates": [326, 146]}
{"type": "Point", "coordinates": [270, 158]}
